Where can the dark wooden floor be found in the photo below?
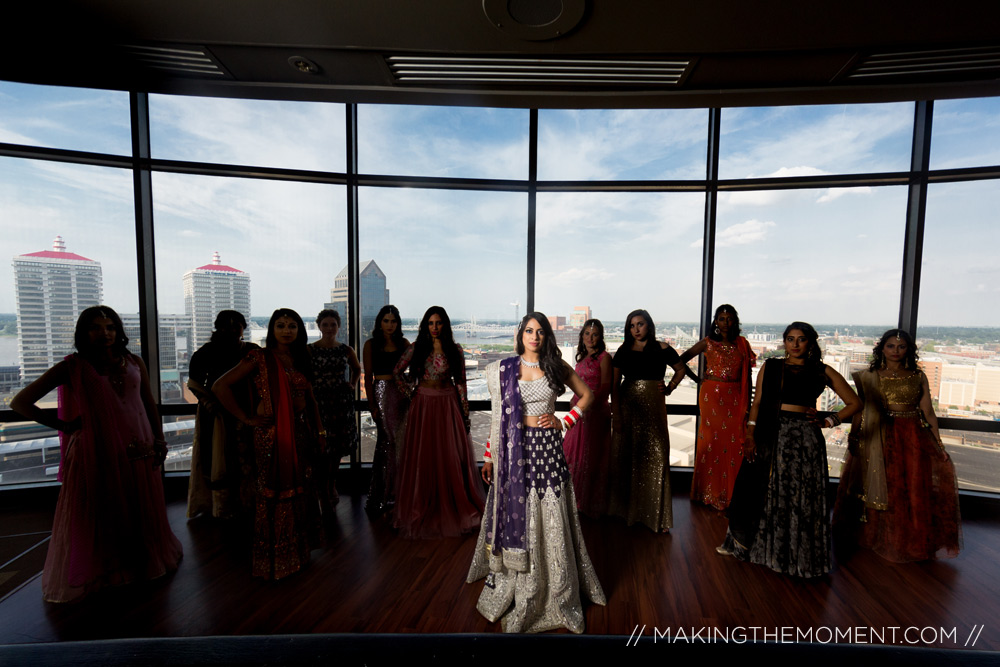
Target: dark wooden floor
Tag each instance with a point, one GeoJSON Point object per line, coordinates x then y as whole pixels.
{"type": "Point", "coordinates": [369, 581]}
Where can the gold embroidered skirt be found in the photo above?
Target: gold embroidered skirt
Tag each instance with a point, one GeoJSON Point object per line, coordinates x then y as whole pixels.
{"type": "Point", "coordinates": [640, 458]}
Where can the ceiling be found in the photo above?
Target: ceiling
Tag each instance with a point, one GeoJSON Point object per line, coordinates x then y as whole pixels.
{"type": "Point", "coordinates": [522, 53]}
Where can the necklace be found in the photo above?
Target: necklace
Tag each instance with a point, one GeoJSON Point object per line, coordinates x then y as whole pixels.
{"type": "Point", "coordinates": [529, 364]}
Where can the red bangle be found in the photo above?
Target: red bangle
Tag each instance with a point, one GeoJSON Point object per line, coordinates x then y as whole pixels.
{"type": "Point", "coordinates": [573, 416]}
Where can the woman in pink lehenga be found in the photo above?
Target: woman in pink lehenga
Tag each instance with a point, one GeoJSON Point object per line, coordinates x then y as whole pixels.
{"type": "Point", "coordinates": [439, 493]}
{"type": "Point", "coordinates": [588, 446]}
{"type": "Point", "coordinates": [110, 525]}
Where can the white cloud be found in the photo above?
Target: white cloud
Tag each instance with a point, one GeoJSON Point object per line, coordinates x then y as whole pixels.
{"type": "Point", "coordinates": [575, 275]}
{"type": "Point", "coordinates": [836, 193]}
{"type": "Point", "coordinates": [743, 233]}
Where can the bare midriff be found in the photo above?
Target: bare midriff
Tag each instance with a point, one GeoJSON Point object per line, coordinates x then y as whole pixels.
{"type": "Point", "coordinates": [436, 384]}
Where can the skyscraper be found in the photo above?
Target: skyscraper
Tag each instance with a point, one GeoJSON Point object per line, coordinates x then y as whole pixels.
{"type": "Point", "coordinates": [373, 294]}
{"type": "Point", "coordinates": [52, 287]}
{"type": "Point", "coordinates": [209, 289]}
{"type": "Point", "coordinates": [579, 315]}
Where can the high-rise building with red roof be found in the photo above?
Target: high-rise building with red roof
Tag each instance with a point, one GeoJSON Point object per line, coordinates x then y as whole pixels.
{"type": "Point", "coordinates": [52, 287]}
{"type": "Point", "coordinates": [209, 289]}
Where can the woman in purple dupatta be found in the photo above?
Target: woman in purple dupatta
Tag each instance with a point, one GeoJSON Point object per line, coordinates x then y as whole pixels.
{"type": "Point", "coordinates": [110, 525]}
{"type": "Point", "coordinates": [530, 547]}
{"type": "Point", "coordinates": [288, 439]}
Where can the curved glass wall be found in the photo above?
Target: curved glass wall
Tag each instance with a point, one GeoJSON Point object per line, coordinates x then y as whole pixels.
{"type": "Point", "coordinates": [448, 212]}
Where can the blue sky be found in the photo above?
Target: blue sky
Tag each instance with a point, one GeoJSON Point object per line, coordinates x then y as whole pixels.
{"type": "Point", "coordinates": [826, 255]}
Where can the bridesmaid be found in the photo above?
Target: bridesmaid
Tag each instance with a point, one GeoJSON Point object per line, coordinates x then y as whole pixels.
{"type": "Point", "coordinates": [334, 390]}
{"type": "Point", "coordinates": [640, 450]}
{"type": "Point", "coordinates": [778, 517]}
{"type": "Point", "coordinates": [898, 495]}
{"type": "Point", "coordinates": [110, 526]}
{"type": "Point", "coordinates": [588, 446]}
{"type": "Point", "coordinates": [439, 492]}
{"type": "Point", "coordinates": [387, 405]}
{"type": "Point", "coordinates": [723, 403]}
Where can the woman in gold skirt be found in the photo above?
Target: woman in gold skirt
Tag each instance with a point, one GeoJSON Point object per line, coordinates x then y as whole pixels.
{"type": "Point", "coordinates": [640, 449]}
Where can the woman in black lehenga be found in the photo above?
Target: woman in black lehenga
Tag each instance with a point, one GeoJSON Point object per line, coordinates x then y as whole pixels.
{"type": "Point", "coordinates": [778, 516]}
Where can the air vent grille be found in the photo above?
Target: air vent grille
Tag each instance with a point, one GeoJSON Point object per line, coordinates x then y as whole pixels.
{"type": "Point", "coordinates": [176, 60]}
{"type": "Point", "coordinates": [981, 60]}
{"type": "Point", "coordinates": [521, 71]}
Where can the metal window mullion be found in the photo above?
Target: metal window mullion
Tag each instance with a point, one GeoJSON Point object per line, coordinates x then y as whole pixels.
{"type": "Point", "coordinates": [916, 209]}
{"type": "Point", "coordinates": [711, 211]}
{"type": "Point", "coordinates": [532, 195]}
{"type": "Point", "coordinates": [353, 296]}
{"type": "Point", "coordinates": [149, 330]}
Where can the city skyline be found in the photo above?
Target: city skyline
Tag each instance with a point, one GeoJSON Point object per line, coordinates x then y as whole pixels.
{"type": "Point", "coordinates": [824, 255]}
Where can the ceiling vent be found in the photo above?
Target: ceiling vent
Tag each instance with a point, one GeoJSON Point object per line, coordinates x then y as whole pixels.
{"type": "Point", "coordinates": [187, 60]}
{"type": "Point", "coordinates": [520, 71]}
{"type": "Point", "coordinates": [978, 62]}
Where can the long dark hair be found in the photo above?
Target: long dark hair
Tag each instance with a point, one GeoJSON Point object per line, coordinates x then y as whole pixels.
{"type": "Point", "coordinates": [81, 336]}
{"type": "Point", "coordinates": [299, 348]}
{"type": "Point", "coordinates": [734, 331]}
{"type": "Point", "coordinates": [425, 345]}
{"type": "Point", "coordinates": [549, 355]}
{"type": "Point", "coordinates": [378, 340]}
{"type": "Point", "coordinates": [581, 349]}
{"type": "Point", "coordinates": [814, 355]}
{"type": "Point", "coordinates": [878, 352]}
{"type": "Point", "coordinates": [224, 319]}
{"type": "Point", "coordinates": [650, 329]}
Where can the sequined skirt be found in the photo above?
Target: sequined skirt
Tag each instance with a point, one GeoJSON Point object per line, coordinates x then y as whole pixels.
{"type": "Point", "coordinates": [640, 458]}
{"type": "Point", "coordinates": [794, 532]}
{"type": "Point", "coordinates": [390, 424]}
{"type": "Point", "coordinates": [548, 593]}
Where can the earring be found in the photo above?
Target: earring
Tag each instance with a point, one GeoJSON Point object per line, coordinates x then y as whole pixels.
{"type": "Point", "coordinates": [717, 332]}
{"type": "Point", "coordinates": [883, 363]}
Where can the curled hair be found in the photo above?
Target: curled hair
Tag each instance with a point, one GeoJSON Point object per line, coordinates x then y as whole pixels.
{"type": "Point", "coordinates": [298, 348]}
{"type": "Point", "coordinates": [378, 340]}
{"type": "Point", "coordinates": [549, 355]}
{"type": "Point", "coordinates": [81, 336]}
{"type": "Point", "coordinates": [325, 313]}
{"type": "Point", "coordinates": [581, 349]}
{"type": "Point", "coordinates": [227, 318]}
{"type": "Point", "coordinates": [814, 355]}
{"type": "Point", "coordinates": [734, 331]}
{"type": "Point", "coordinates": [424, 345]}
{"type": "Point", "coordinates": [650, 329]}
{"type": "Point", "coordinates": [878, 352]}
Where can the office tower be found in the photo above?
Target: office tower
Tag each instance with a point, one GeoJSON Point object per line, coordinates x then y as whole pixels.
{"type": "Point", "coordinates": [579, 315]}
{"type": "Point", "coordinates": [52, 287]}
{"type": "Point", "coordinates": [209, 289]}
{"type": "Point", "coordinates": [373, 294]}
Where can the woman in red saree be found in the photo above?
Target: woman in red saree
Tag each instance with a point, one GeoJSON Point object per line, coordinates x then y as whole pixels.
{"type": "Point", "coordinates": [723, 402]}
{"type": "Point", "coordinates": [287, 440]}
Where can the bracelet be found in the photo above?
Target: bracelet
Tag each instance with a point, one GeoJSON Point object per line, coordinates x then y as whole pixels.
{"type": "Point", "coordinates": [573, 416]}
{"type": "Point", "coordinates": [751, 422]}
{"type": "Point", "coordinates": [834, 420]}
{"type": "Point", "coordinates": [322, 433]}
